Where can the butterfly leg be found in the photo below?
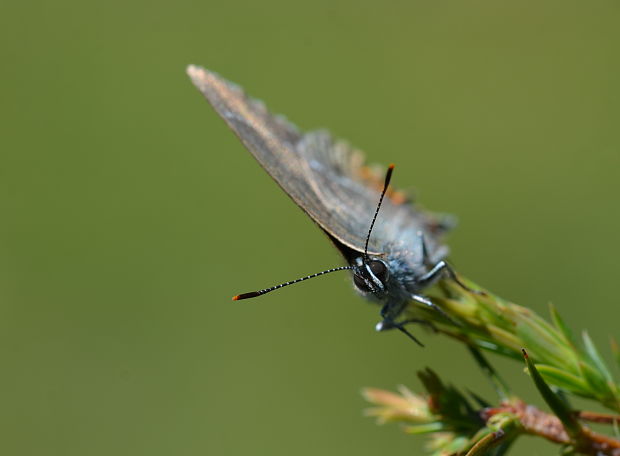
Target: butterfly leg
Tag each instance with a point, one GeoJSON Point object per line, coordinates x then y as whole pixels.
{"type": "Point", "coordinates": [401, 328]}
{"type": "Point", "coordinates": [389, 312]}
{"type": "Point", "coordinates": [420, 321]}
{"type": "Point", "coordinates": [425, 255]}
{"type": "Point", "coordinates": [442, 269]}
{"type": "Point", "coordinates": [438, 269]}
{"type": "Point", "coordinates": [427, 302]}
{"type": "Point", "coordinates": [385, 324]}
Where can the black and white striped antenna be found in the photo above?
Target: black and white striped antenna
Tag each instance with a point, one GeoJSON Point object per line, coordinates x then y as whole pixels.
{"type": "Point", "coordinates": [254, 294]}
{"type": "Point", "coordinates": [388, 176]}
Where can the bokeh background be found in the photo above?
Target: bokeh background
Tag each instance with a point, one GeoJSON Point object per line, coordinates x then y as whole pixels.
{"type": "Point", "coordinates": [131, 215]}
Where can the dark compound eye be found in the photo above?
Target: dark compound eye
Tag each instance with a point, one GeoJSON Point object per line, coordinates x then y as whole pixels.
{"type": "Point", "coordinates": [360, 283]}
{"type": "Point", "coordinates": [379, 269]}
{"type": "Point", "coordinates": [366, 279]}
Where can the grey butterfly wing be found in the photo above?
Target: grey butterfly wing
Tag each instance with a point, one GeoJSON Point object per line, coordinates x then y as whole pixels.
{"type": "Point", "coordinates": [270, 139]}
{"type": "Point", "coordinates": [339, 178]}
{"type": "Point", "coordinates": [323, 177]}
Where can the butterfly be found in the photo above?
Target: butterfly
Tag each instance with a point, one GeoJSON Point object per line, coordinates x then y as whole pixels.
{"type": "Point", "coordinates": [394, 258]}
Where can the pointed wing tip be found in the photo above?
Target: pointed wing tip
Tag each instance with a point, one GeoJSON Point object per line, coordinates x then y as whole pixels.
{"type": "Point", "coordinates": [203, 78]}
{"type": "Point", "coordinates": [211, 84]}
{"type": "Point", "coordinates": [197, 74]}
{"type": "Point", "coordinates": [191, 68]}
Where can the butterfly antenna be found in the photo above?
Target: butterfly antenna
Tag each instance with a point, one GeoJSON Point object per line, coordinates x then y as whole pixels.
{"type": "Point", "coordinates": [254, 294]}
{"type": "Point", "coordinates": [388, 176]}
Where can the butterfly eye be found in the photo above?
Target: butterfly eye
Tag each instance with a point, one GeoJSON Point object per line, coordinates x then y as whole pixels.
{"type": "Point", "coordinates": [379, 269]}
{"type": "Point", "coordinates": [367, 278]}
{"type": "Point", "coordinates": [361, 284]}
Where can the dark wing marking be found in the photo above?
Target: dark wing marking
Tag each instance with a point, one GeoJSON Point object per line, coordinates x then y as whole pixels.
{"type": "Point", "coordinates": [323, 177]}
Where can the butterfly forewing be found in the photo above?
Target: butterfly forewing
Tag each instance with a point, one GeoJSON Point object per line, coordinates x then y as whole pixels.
{"type": "Point", "coordinates": [324, 177]}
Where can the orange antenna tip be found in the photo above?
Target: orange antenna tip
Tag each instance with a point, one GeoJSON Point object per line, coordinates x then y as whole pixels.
{"type": "Point", "coordinates": [252, 294]}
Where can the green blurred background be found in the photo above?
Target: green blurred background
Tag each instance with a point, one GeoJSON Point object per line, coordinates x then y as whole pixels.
{"type": "Point", "coordinates": [131, 215]}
